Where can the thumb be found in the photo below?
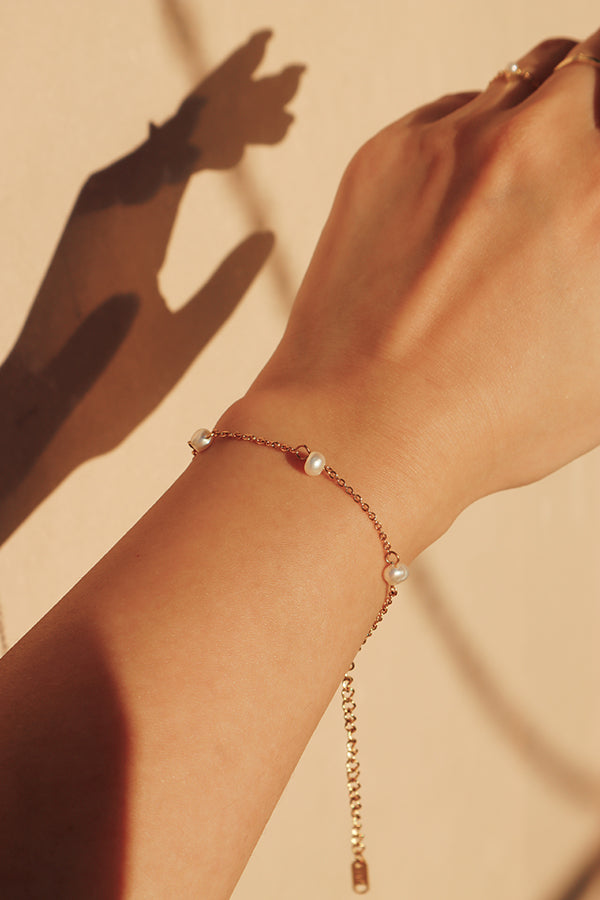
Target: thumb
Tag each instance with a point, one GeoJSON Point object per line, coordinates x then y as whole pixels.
{"type": "Point", "coordinates": [205, 313]}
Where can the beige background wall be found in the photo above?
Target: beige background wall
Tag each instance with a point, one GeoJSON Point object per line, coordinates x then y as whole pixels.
{"type": "Point", "coordinates": [479, 700]}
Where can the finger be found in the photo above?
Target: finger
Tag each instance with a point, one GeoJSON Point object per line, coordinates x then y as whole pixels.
{"type": "Point", "coordinates": [439, 108]}
{"type": "Point", "coordinates": [266, 119]}
{"type": "Point", "coordinates": [250, 56]}
{"type": "Point", "coordinates": [577, 77]}
{"type": "Point", "coordinates": [519, 80]}
{"type": "Point", "coordinates": [281, 88]}
{"type": "Point", "coordinates": [239, 66]}
{"type": "Point", "coordinates": [202, 316]}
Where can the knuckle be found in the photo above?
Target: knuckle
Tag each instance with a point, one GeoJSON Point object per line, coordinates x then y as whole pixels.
{"type": "Point", "coordinates": [554, 43]}
{"type": "Point", "coordinates": [507, 139]}
{"type": "Point", "coordinates": [361, 163]}
{"type": "Point", "coordinates": [513, 144]}
{"type": "Point", "coordinates": [438, 140]}
{"type": "Point", "coordinates": [372, 160]}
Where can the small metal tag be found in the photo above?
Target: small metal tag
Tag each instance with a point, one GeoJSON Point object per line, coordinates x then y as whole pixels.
{"type": "Point", "coordinates": [360, 876]}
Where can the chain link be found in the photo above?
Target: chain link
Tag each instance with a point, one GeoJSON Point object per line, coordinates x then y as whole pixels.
{"type": "Point", "coordinates": [359, 866]}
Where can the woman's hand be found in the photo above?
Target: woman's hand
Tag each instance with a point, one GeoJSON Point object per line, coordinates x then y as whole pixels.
{"type": "Point", "coordinates": [451, 310]}
{"type": "Point", "coordinates": [444, 344]}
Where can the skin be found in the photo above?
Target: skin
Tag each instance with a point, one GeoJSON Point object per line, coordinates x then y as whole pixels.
{"type": "Point", "coordinates": [448, 325]}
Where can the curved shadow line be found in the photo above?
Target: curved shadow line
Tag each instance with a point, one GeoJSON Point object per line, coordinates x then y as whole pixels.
{"type": "Point", "coordinates": [535, 748]}
{"type": "Point", "coordinates": [587, 875]}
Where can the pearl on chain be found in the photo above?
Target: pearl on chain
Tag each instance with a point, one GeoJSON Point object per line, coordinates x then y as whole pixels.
{"type": "Point", "coordinates": [201, 439]}
{"type": "Point", "coordinates": [395, 573]}
{"type": "Point", "coordinates": [314, 463]}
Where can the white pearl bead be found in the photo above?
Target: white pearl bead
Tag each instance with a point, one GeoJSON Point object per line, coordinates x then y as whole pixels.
{"type": "Point", "coordinates": [314, 463]}
{"type": "Point", "coordinates": [201, 439]}
{"type": "Point", "coordinates": [395, 573]}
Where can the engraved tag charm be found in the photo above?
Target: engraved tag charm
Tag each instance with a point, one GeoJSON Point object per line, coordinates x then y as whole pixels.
{"type": "Point", "coordinates": [360, 876]}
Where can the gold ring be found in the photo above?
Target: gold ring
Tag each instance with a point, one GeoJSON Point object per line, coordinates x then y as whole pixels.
{"type": "Point", "coordinates": [579, 58]}
{"type": "Point", "coordinates": [514, 70]}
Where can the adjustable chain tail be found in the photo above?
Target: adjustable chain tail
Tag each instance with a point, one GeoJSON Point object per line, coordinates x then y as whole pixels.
{"type": "Point", "coordinates": [360, 875]}
{"type": "Point", "coordinates": [394, 573]}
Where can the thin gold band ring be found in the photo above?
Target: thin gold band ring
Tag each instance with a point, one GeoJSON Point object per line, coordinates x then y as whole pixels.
{"type": "Point", "coordinates": [578, 58]}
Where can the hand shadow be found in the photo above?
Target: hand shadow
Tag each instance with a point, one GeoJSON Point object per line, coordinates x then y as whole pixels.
{"type": "Point", "coordinates": [100, 348]}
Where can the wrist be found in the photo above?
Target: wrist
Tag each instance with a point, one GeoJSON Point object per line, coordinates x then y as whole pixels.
{"type": "Point", "coordinates": [404, 474]}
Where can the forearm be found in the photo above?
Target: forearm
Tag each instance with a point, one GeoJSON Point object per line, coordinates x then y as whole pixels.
{"type": "Point", "coordinates": [212, 638]}
{"type": "Point", "coordinates": [443, 346]}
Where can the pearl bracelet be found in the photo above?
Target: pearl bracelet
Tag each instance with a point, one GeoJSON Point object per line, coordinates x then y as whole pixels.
{"type": "Point", "coordinates": [394, 573]}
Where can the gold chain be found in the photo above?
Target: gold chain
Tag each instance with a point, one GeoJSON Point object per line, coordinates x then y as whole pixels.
{"type": "Point", "coordinates": [360, 877]}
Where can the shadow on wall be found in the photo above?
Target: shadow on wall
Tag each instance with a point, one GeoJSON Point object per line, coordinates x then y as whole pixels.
{"type": "Point", "coordinates": [548, 762]}
{"type": "Point", "coordinates": [100, 349]}
{"type": "Point", "coordinates": [561, 773]}
{"type": "Point", "coordinates": [68, 760]}
{"type": "Point", "coordinates": [584, 884]}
